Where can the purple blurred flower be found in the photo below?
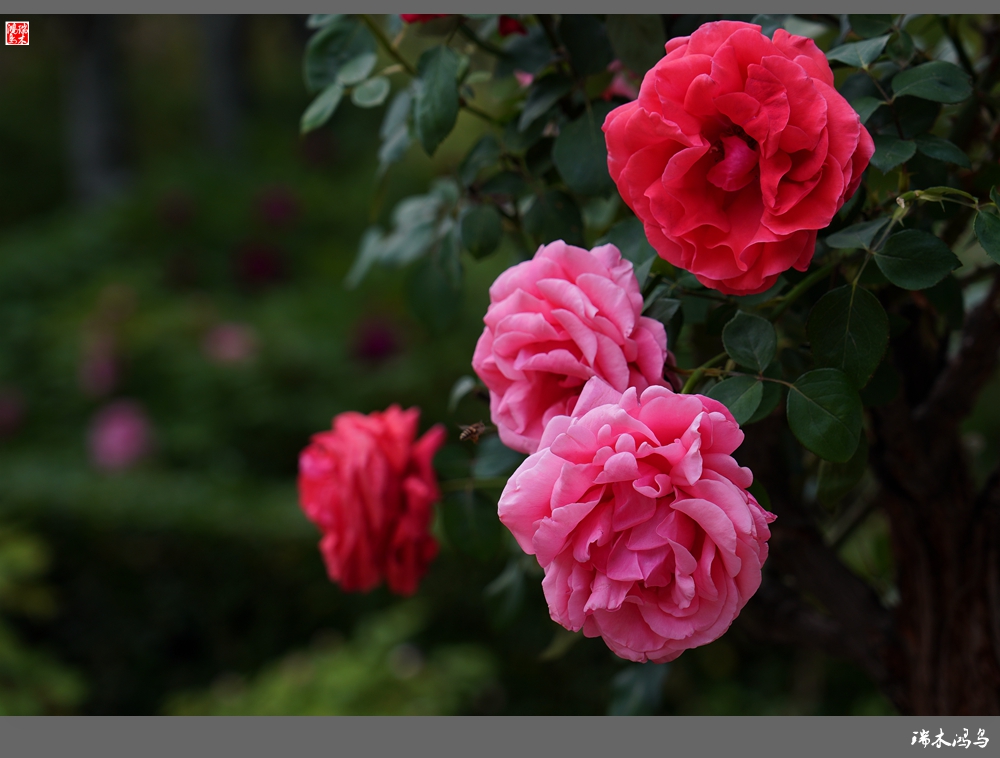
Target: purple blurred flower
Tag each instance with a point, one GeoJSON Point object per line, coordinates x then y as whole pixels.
{"type": "Point", "coordinates": [230, 343]}
{"type": "Point", "coordinates": [278, 206]}
{"type": "Point", "coordinates": [259, 264]}
{"type": "Point", "coordinates": [11, 411]}
{"type": "Point", "coordinates": [375, 340]}
{"type": "Point", "coordinates": [120, 435]}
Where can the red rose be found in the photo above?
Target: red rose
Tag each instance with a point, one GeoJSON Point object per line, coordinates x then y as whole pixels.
{"type": "Point", "coordinates": [368, 484]}
{"type": "Point", "coordinates": [421, 18]}
{"type": "Point", "coordinates": [507, 25]}
{"type": "Point", "coordinates": [510, 25]}
{"type": "Point", "coordinates": [737, 151]}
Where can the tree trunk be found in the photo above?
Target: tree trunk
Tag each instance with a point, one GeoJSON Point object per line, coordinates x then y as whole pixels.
{"type": "Point", "coordinates": [937, 652]}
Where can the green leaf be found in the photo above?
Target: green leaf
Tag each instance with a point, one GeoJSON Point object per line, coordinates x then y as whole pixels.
{"type": "Point", "coordinates": [433, 297]}
{"type": "Point", "coordinates": [471, 525]}
{"type": "Point", "coordinates": [942, 150]}
{"type": "Point", "coordinates": [637, 40]}
{"type": "Point", "coordinates": [460, 389]}
{"type": "Point", "coordinates": [859, 54]}
{"type": "Point", "coordinates": [988, 233]}
{"type": "Point", "coordinates": [939, 81]}
{"type": "Point", "coordinates": [857, 236]}
{"type": "Point", "coordinates": [485, 153]}
{"type": "Point", "coordinates": [866, 106]}
{"type": "Point", "coordinates": [663, 309]}
{"type": "Point", "coordinates": [319, 20]}
{"type": "Point", "coordinates": [586, 41]}
{"type": "Point", "coordinates": [771, 395]}
{"type": "Point", "coordinates": [394, 132]}
{"type": "Point", "coordinates": [544, 93]}
{"type": "Point", "coordinates": [848, 330]}
{"type": "Point", "coordinates": [871, 25]}
{"type": "Point", "coordinates": [769, 23]}
{"type": "Point", "coordinates": [581, 154]}
{"type": "Point", "coordinates": [505, 594]}
{"type": "Point", "coordinates": [320, 110]}
{"type": "Point", "coordinates": [333, 47]}
{"type": "Point", "coordinates": [481, 230]}
{"type": "Point", "coordinates": [901, 46]}
{"type": "Point", "coordinates": [741, 395]}
{"type": "Point", "coordinates": [825, 414]}
{"type": "Point", "coordinates": [554, 216]}
{"type": "Point", "coordinates": [891, 151]}
{"type": "Point", "coordinates": [371, 93]}
{"type": "Point", "coordinates": [435, 108]}
{"type": "Point", "coordinates": [995, 196]}
{"type": "Point", "coordinates": [915, 260]}
{"type": "Point", "coordinates": [837, 479]}
{"type": "Point", "coordinates": [629, 236]}
{"type": "Point", "coordinates": [504, 184]}
{"type": "Point", "coordinates": [356, 69]}
{"type": "Point", "coordinates": [750, 340]}
{"type": "Point", "coordinates": [637, 690]}
{"type": "Point", "coordinates": [494, 459]}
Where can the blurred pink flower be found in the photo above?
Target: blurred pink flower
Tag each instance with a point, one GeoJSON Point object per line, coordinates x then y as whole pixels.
{"type": "Point", "coordinates": [11, 411]}
{"type": "Point", "coordinates": [524, 78]}
{"type": "Point", "coordinates": [119, 436]}
{"type": "Point", "coordinates": [230, 343]}
{"type": "Point", "coordinates": [624, 84]}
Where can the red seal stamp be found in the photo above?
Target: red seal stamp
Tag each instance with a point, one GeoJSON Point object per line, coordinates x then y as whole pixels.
{"type": "Point", "coordinates": [16, 32]}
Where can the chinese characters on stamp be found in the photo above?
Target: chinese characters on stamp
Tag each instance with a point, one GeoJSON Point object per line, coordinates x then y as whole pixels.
{"type": "Point", "coordinates": [16, 32]}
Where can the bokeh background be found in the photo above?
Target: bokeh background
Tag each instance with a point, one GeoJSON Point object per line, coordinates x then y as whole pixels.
{"type": "Point", "coordinates": [173, 327]}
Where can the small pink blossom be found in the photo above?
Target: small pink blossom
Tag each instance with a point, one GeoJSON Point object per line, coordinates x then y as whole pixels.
{"type": "Point", "coordinates": [119, 436]}
{"type": "Point", "coordinates": [553, 323]}
{"type": "Point", "coordinates": [524, 79]}
{"type": "Point", "coordinates": [624, 84]}
{"type": "Point", "coordinates": [230, 343]}
{"type": "Point", "coordinates": [641, 519]}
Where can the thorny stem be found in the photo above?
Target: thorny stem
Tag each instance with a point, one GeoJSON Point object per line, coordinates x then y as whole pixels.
{"type": "Point", "coordinates": [786, 300]}
{"type": "Point", "coordinates": [699, 372]}
{"type": "Point", "coordinates": [412, 71]}
{"type": "Point", "coordinates": [481, 43]}
{"type": "Point", "coordinates": [387, 44]}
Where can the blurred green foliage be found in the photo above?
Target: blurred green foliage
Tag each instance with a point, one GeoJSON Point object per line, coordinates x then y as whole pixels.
{"type": "Point", "coordinates": [378, 673]}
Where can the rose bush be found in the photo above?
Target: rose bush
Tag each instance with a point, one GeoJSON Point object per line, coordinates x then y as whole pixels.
{"type": "Point", "coordinates": [369, 486]}
{"type": "Point", "coordinates": [641, 519]}
{"type": "Point", "coordinates": [553, 323]}
{"type": "Point", "coordinates": [736, 152]}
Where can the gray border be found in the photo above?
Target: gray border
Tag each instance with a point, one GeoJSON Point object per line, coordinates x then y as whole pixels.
{"type": "Point", "coordinates": [34, 7]}
{"type": "Point", "coordinates": [250, 737]}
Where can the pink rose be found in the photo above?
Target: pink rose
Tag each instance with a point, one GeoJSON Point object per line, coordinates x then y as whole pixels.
{"type": "Point", "coordinates": [119, 436]}
{"type": "Point", "coordinates": [553, 323]}
{"type": "Point", "coordinates": [737, 151]}
{"type": "Point", "coordinates": [230, 343]}
{"type": "Point", "coordinates": [641, 519]}
{"type": "Point", "coordinates": [369, 485]}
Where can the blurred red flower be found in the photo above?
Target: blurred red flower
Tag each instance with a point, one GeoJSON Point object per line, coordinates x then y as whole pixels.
{"type": "Point", "coordinates": [369, 485]}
